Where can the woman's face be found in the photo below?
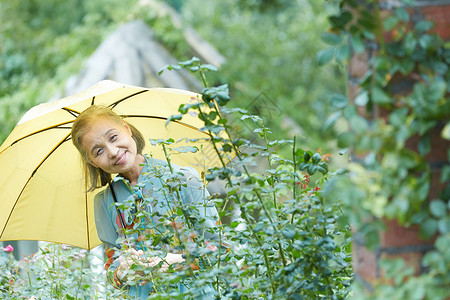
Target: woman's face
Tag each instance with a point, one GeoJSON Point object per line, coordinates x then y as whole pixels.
{"type": "Point", "coordinates": [109, 146]}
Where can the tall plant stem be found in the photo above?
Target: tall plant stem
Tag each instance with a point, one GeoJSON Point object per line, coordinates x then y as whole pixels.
{"type": "Point", "coordinates": [203, 77]}
{"type": "Point", "coordinates": [379, 27]}
{"type": "Point", "coordinates": [81, 278]}
{"type": "Point", "coordinates": [176, 190]}
{"type": "Point", "coordinates": [294, 162]}
{"type": "Point", "coordinates": [237, 152]}
{"type": "Point", "coordinates": [269, 161]}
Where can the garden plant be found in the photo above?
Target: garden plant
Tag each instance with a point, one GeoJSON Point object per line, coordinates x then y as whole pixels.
{"type": "Point", "coordinates": [278, 239]}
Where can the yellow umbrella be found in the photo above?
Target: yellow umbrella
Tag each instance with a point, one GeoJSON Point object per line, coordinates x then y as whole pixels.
{"type": "Point", "coordinates": [42, 190]}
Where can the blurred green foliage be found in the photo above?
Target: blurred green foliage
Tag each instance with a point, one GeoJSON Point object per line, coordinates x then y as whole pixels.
{"type": "Point", "coordinates": [271, 67]}
{"type": "Point", "coordinates": [271, 49]}
{"type": "Point", "coordinates": [43, 43]}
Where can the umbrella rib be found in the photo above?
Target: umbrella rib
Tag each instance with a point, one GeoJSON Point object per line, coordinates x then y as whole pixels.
{"type": "Point", "coordinates": [71, 111]}
{"type": "Point", "coordinates": [57, 126]}
{"type": "Point", "coordinates": [113, 105]}
{"type": "Point", "coordinates": [160, 118]}
{"type": "Point", "coordinates": [67, 138]}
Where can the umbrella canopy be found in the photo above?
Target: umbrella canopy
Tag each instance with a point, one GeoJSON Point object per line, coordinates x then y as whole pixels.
{"type": "Point", "coordinates": [42, 187]}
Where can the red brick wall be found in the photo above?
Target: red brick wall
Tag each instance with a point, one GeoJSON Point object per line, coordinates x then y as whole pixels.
{"type": "Point", "coordinates": [440, 15]}
{"type": "Point", "coordinates": [397, 241]}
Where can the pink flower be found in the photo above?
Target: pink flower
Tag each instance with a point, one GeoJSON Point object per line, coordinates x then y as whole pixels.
{"type": "Point", "coordinates": [8, 248]}
{"type": "Point", "coordinates": [211, 247]}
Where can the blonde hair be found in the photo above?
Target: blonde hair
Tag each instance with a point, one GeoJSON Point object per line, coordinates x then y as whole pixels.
{"type": "Point", "coordinates": [96, 176]}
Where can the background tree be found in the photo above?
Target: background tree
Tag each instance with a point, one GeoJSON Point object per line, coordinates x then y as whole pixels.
{"type": "Point", "coordinates": [272, 69]}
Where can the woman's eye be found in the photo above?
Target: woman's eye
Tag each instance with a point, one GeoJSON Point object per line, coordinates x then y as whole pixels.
{"type": "Point", "coordinates": [113, 137]}
{"type": "Point", "coordinates": [99, 152]}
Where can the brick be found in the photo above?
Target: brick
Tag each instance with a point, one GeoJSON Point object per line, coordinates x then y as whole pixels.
{"type": "Point", "coordinates": [439, 14]}
{"type": "Point", "coordinates": [398, 241]}
{"type": "Point", "coordinates": [399, 236]}
{"type": "Point", "coordinates": [439, 146]}
{"type": "Point", "coordinates": [365, 263]}
{"type": "Point", "coordinates": [411, 259]}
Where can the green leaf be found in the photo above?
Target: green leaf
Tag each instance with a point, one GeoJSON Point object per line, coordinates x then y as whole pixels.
{"type": "Point", "coordinates": [445, 133]}
{"type": "Point", "coordinates": [307, 156]}
{"type": "Point", "coordinates": [254, 118]}
{"type": "Point", "coordinates": [362, 99]}
{"type": "Point", "coordinates": [325, 56]}
{"type": "Point", "coordinates": [343, 151]}
{"type": "Point", "coordinates": [423, 26]}
{"type": "Point", "coordinates": [209, 67]}
{"type": "Point", "coordinates": [258, 227]}
{"type": "Point", "coordinates": [179, 211]}
{"type": "Point", "coordinates": [390, 23]}
{"type": "Point", "coordinates": [186, 149]}
{"type": "Point", "coordinates": [409, 43]}
{"type": "Point", "coordinates": [339, 101]}
{"type": "Point", "coordinates": [445, 176]}
{"type": "Point", "coordinates": [402, 14]}
{"type": "Point", "coordinates": [424, 146]}
{"type": "Point", "coordinates": [438, 208]}
{"type": "Point", "coordinates": [444, 226]}
{"type": "Point", "coordinates": [339, 21]}
{"type": "Point", "coordinates": [212, 115]}
{"type": "Point", "coordinates": [406, 65]}
{"type": "Point", "coordinates": [189, 62]}
{"type": "Point", "coordinates": [379, 96]}
{"type": "Point", "coordinates": [331, 39]}
{"type": "Point", "coordinates": [312, 169]}
{"type": "Point", "coordinates": [227, 148]}
{"type": "Point", "coordinates": [428, 228]}
{"type": "Point", "coordinates": [425, 41]}
{"type": "Point", "coordinates": [440, 67]}
{"type": "Point", "coordinates": [342, 53]}
{"type": "Point", "coordinates": [358, 124]}
{"type": "Point", "coordinates": [331, 120]}
{"type": "Point", "coordinates": [437, 90]}
{"type": "Point", "coordinates": [289, 232]}
{"type": "Point", "coordinates": [269, 230]}
{"type": "Point", "coordinates": [357, 44]}
{"type": "Point", "coordinates": [322, 168]}
{"type": "Point", "coordinates": [174, 118]}
{"type": "Point", "coordinates": [234, 224]}
{"type": "Point", "coordinates": [316, 158]}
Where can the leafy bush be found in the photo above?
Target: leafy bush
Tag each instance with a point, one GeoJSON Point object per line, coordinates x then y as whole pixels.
{"type": "Point", "coordinates": [279, 238]}
{"type": "Point", "coordinates": [284, 242]}
{"type": "Point", "coordinates": [54, 272]}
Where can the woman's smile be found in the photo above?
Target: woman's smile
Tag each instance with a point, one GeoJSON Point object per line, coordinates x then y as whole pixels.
{"type": "Point", "coordinates": [122, 159]}
{"type": "Point", "coordinates": [110, 147]}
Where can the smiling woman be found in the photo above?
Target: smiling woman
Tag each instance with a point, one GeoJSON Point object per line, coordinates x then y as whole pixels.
{"type": "Point", "coordinates": [90, 137]}
{"type": "Point", "coordinates": [109, 145]}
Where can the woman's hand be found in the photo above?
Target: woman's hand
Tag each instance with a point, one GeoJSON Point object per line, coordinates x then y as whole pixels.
{"type": "Point", "coordinates": [170, 259]}
{"type": "Point", "coordinates": [133, 256]}
{"type": "Point", "coordinates": [126, 260]}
